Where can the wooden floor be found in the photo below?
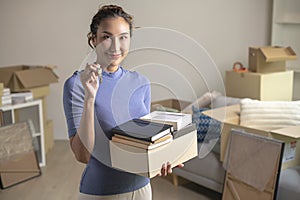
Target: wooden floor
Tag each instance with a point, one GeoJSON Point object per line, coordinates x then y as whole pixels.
{"type": "Point", "coordinates": [61, 176]}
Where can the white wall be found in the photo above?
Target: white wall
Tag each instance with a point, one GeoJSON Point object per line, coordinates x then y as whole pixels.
{"type": "Point", "coordinates": [54, 32]}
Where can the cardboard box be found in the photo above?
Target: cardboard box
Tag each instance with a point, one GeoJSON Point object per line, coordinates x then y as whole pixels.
{"type": "Point", "coordinates": [148, 162]}
{"type": "Point", "coordinates": [21, 77]}
{"type": "Point", "coordinates": [269, 58]}
{"type": "Point", "coordinates": [252, 173]}
{"type": "Point", "coordinates": [18, 161]}
{"type": "Point", "coordinates": [266, 87]}
{"type": "Point", "coordinates": [176, 104]}
{"type": "Point", "coordinates": [230, 117]}
{"type": "Point", "coordinates": [38, 92]}
{"type": "Point", "coordinates": [18, 169]}
{"type": "Point", "coordinates": [48, 133]}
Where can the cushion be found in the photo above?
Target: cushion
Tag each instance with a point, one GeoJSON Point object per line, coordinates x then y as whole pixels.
{"type": "Point", "coordinates": [207, 127]}
{"type": "Point", "coordinates": [269, 115]}
{"type": "Point", "coordinates": [203, 101]}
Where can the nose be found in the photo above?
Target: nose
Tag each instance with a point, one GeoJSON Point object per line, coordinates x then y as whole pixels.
{"type": "Point", "coordinates": [115, 45]}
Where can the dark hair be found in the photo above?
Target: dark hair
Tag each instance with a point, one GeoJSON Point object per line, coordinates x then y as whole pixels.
{"type": "Point", "coordinates": [105, 12]}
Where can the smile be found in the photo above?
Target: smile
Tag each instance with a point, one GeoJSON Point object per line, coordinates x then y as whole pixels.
{"type": "Point", "coordinates": [115, 56]}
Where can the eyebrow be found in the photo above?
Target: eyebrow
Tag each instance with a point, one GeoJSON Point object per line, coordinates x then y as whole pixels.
{"type": "Point", "coordinates": [124, 33]}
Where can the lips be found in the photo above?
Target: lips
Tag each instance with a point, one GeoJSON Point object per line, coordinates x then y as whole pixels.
{"type": "Point", "coordinates": [115, 56]}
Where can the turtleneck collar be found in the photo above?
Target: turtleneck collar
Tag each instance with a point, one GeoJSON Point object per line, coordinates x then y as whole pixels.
{"type": "Point", "coordinates": [113, 75]}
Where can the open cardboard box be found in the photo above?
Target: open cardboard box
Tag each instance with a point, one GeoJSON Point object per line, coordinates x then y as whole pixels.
{"type": "Point", "coordinates": [21, 77]}
{"type": "Point", "coordinates": [269, 58]}
{"type": "Point", "coordinates": [148, 162]}
{"type": "Point", "coordinates": [176, 104]}
{"type": "Point", "coordinates": [230, 117]}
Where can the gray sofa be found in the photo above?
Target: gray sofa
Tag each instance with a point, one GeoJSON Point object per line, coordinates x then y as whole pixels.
{"type": "Point", "coordinates": [207, 171]}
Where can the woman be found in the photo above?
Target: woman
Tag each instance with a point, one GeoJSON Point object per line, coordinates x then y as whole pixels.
{"type": "Point", "coordinates": [109, 98]}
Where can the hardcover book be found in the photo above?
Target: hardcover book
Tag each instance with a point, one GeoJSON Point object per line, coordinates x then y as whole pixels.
{"type": "Point", "coordinates": [143, 130]}
{"type": "Point", "coordinates": [177, 120]}
{"type": "Point", "coordinates": [143, 144]}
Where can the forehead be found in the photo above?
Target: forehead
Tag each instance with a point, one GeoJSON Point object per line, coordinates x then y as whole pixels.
{"type": "Point", "coordinates": [113, 25]}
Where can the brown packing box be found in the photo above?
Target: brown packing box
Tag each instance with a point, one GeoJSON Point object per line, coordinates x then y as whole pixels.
{"type": "Point", "coordinates": [269, 58]}
{"type": "Point", "coordinates": [40, 93]}
{"type": "Point", "coordinates": [265, 87]}
{"type": "Point", "coordinates": [252, 174]}
{"type": "Point", "coordinates": [148, 162]}
{"type": "Point", "coordinates": [21, 77]}
{"type": "Point", "coordinates": [170, 103]}
{"type": "Point", "coordinates": [48, 133]}
{"type": "Point", "coordinates": [18, 161]}
{"type": "Point", "coordinates": [230, 117]}
{"type": "Point", "coordinates": [18, 168]}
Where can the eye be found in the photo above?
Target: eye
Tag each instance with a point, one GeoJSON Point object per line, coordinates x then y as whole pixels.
{"type": "Point", "coordinates": [105, 37]}
{"type": "Point", "coordinates": [123, 37]}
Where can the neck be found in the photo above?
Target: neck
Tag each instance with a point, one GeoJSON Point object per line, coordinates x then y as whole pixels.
{"type": "Point", "coordinates": [111, 69]}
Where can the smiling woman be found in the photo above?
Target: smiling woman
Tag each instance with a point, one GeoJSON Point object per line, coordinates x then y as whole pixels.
{"type": "Point", "coordinates": [112, 43]}
{"type": "Point", "coordinates": [111, 37]}
{"type": "Point", "coordinates": [93, 109]}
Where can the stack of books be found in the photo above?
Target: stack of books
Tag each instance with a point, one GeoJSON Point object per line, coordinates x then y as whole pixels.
{"type": "Point", "coordinates": [5, 95]}
{"type": "Point", "coordinates": [153, 130]}
{"type": "Point", "coordinates": [21, 97]}
{"type": "Point", "coordinates": [143, 134]}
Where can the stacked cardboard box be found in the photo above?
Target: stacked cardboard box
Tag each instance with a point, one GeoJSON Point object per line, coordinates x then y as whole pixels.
{"type": "Point", "coordinates": [35, 79]}
{"type": "Point", "coordinates": [267, 78]}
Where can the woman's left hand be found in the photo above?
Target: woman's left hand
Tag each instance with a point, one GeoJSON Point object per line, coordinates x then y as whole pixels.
{"type": "Point", "coordinates": [166, 169]}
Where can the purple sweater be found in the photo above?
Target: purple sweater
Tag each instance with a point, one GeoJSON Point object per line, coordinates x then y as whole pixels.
{"type": "Point", "coordinates": [122, 95]}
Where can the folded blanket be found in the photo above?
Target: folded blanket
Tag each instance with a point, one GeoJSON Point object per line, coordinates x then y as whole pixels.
{"type": "Point", "coordinates": [269, 115]}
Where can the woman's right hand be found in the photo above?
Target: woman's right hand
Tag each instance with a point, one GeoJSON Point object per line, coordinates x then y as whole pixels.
{"type": "Point", "coordinates": [90, 80]}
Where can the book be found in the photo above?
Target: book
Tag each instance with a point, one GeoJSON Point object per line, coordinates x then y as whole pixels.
{"type": "Point", "coordinates": [21, 97]}
{"type": "Point", "coordinates": [148, 146]}
{"type": "Point", "coordinates": [166, 137]}
{"type": "Point", "coordinates": [6, 91]}
{"type": "Point", "coordinates": [177, 120]}
{"type": "Point", "coordinates": [5, 100]}
{"type": "Point", "coordinates": [143, 130]}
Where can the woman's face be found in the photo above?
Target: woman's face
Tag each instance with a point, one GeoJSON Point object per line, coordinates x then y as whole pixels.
{"type": "Point", "coordinates": [112, 42]}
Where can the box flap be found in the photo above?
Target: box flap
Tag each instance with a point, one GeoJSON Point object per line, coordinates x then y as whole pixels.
{"type": "Point", "coordinates": [5, 77]}
{"type": "Point", "coordinates": [291, 131]}
{"type": "Point", "coordinates": [23, 162]}
{"type": "Point", "coordinates": [228, 114]}
{"type": "Point", "coordinates": [36, 77]}
{"type": "Point", "coordinates": [176, 104]}
{"type": "Point", "coordinates": [272, 54]}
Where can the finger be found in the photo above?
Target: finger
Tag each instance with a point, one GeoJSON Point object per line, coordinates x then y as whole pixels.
{"type": "Point", "coordinates": [163, 169]}
{"type": "Point", "coordinates": [180, 165]}
{"type": "Point", "coordinates": [169, 168]}
{"type": "Point", "coordinates": [92, 68]}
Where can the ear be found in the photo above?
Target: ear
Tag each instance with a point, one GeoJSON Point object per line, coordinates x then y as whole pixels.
{"type": "Point", "coordinates": [94, 41]}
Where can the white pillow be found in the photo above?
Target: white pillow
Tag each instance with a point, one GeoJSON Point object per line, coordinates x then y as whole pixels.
{"type": "Point", "coordinates": [269, 115]}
